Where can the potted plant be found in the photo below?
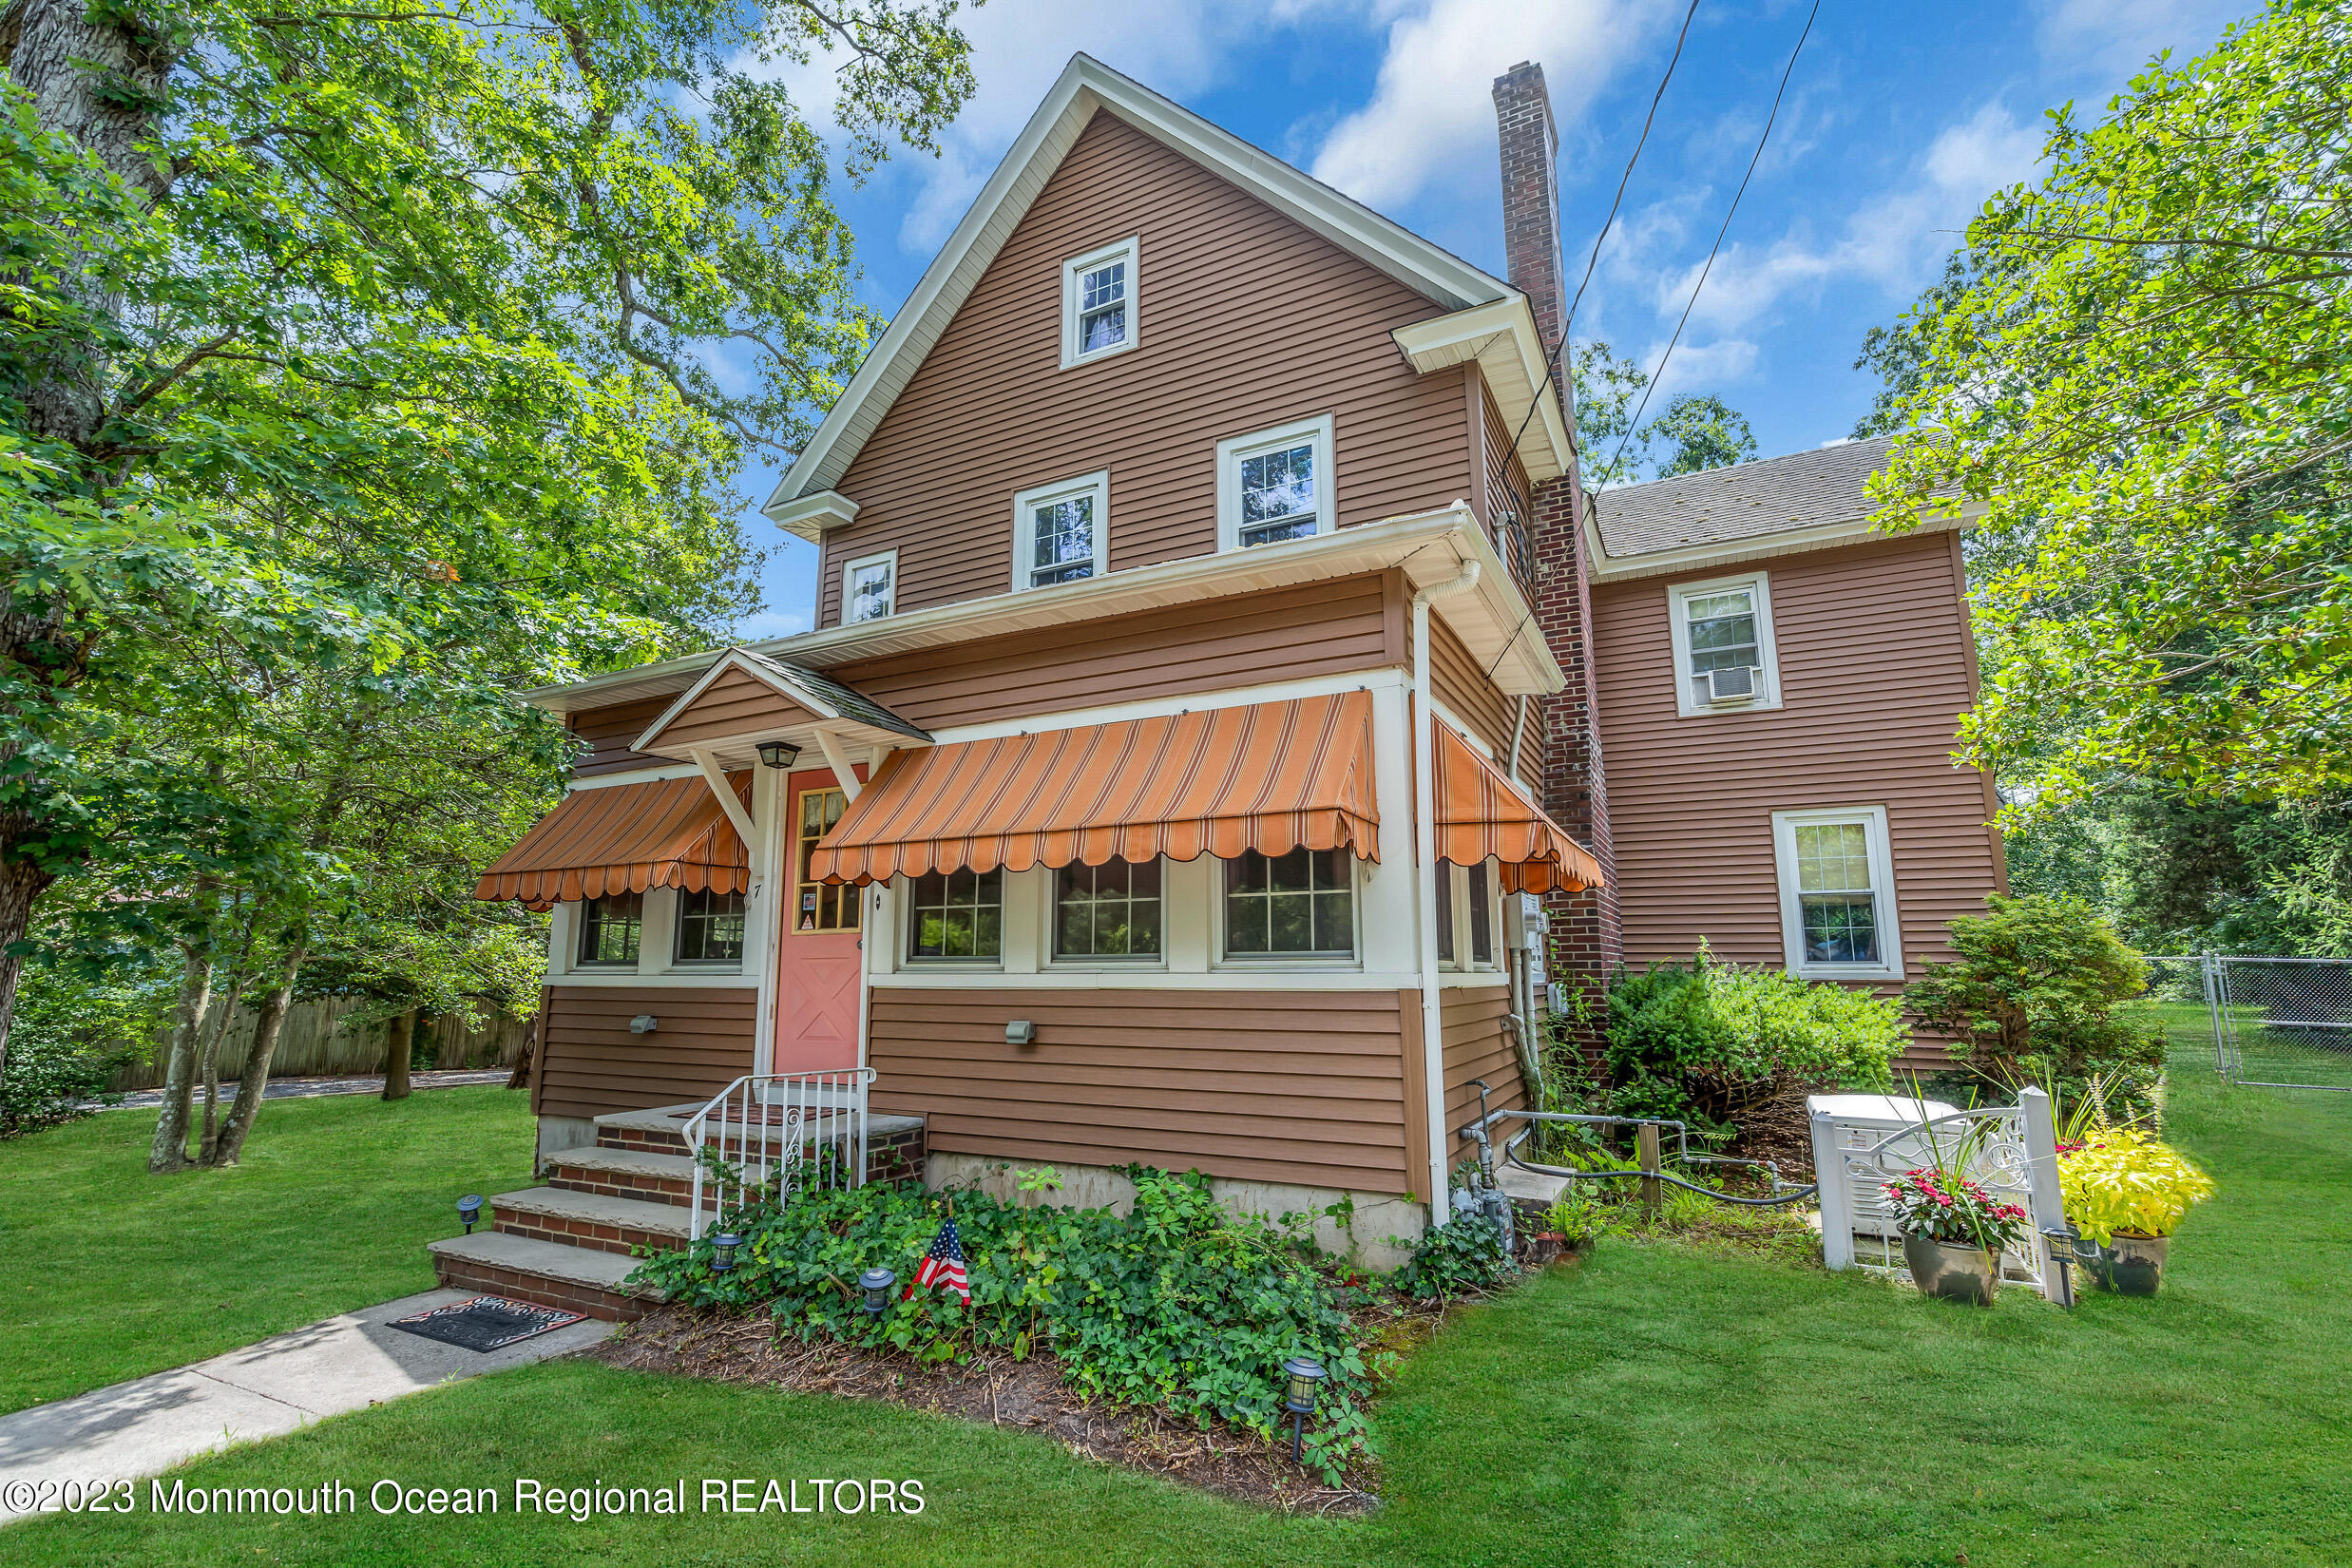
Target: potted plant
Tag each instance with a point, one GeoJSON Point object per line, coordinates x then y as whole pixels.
{"type": "Point", "coordinates": [1953, 1232]}
{"type": "Point", "coordinates": [2127, 1190]}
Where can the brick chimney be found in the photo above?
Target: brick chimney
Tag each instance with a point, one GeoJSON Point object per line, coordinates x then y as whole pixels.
{"type": "Point", "coordinates": [1588, 942]}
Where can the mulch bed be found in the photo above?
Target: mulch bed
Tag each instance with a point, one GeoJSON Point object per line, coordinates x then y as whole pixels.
{"type": "Point", "coordinates": [1027, 1395]}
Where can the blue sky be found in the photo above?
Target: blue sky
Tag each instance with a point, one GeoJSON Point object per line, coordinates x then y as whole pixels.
{"type": "Point", "coordinates": [1901, 117]}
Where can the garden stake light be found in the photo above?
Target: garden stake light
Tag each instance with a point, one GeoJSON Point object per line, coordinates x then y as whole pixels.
{"type": "Point", "coordinates": [1306, 1381]}
{"type": "Point", "coordinates": [723, 1251]}
{"type": "Point", "coordinates": [469, 1210]}
{"type": "Point", "coordinates": [876, 1283]}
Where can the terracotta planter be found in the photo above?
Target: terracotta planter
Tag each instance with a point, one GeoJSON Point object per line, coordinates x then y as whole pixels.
{"type": "Point", "coordinates": [1545, 1248]}
{"type": "Point", "coordinates": [1952, 1269]}
{"type": "Point", "coordinates": [2129, 1265]}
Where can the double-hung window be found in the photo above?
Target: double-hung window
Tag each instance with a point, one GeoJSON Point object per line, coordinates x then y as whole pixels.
{"type": "Point", "coordinates": [1296, 905]}
{"type": "Point", "coordinates": [610, 929]}
{"type": "Point", "coordinates": [1837, 894]}
{"type": "Point", "coordinates": [1465, 916]}
{"type": "Point", "coordinates": [956, 915]}
{"type": "Point", "coordinates": [1059, 531]}
{"type": "Point", "coordinates": [1275, 484]}
{"type": "Point", "coordinates": [870, 587]}
{"type": "Point", "coordinates": [1099, 296]}
{"type": "Point", "coordinates": [1724, 660]}
{"type": "Point", "coordinates": [710, 928]}
{"type": "Point", "coordinates": [1111, 911]}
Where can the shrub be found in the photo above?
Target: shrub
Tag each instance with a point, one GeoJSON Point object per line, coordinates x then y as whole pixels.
{"type": "Point", "coordinates": [2123, 1179]}
{"type": "Point", "coordinates": [1710, 1042]}
{"type": "Point", "coordinates": [66, 1041]}
{"type": "Point", "coordinates": [2033, 999]}
{"type": "Point", "coordinates": [1181, 1303]}
{"type": "Point", "coordinates": [1455, 1259]}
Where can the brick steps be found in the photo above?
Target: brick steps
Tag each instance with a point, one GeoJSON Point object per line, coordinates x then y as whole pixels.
{"type": "Point", "coordinates": [594, 1220]}
{"type": "Point", "coordinates": [625, 1172]}
{"type": "Point", "coordinates": [523, 1269]}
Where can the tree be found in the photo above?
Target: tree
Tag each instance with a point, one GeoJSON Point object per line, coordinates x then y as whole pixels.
{"type": "Point", "coordinates": [306, 306]}
{"type": "Point", "coordinates": [2143, 380]}
{"type": "Point", "coordinates": [1705, 433]}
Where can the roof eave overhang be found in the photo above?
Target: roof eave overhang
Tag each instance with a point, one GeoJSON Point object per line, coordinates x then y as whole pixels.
{"type": "Point", "coordinates": [1730, 552]}
{"type": "Point", "coordinates": [1086, 85]}
{"type": "Point", "coordinates": [1494, 623]}
{"type": "Point", "coordinates": [1500, 338]}
{"type": "Point", "coordinates": [847, 727]}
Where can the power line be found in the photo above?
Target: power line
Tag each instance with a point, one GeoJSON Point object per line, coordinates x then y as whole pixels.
{"type": "Point", "coordinates": [1659, 373]}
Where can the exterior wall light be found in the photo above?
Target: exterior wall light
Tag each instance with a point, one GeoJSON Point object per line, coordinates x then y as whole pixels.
{"type": "Point", "coordinates": [469, 1210]}
{"type": "Point", "coordinates": [777, 754]}
{"type": "Point", "coordinates": [723, 1251]}
{"type": "Point", "coordinates": [1306, 1382]}
{"type": "Point", "coordinates": [876, 1283]}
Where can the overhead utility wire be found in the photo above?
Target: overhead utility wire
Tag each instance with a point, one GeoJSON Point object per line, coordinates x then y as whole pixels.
{"type": "Point", "coordinates": [1659, 374]}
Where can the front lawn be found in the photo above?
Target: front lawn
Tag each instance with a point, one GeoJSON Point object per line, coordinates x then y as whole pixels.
{"type": "Point", "coordinates": [1656, 1405]}
{"type": "Point", "coordinates": [107, 1272]}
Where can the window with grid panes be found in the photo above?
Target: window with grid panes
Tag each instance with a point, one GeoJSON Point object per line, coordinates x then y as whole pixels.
{"type": "Point", "coordinates": [1299, 905]}
{"type": "Point", "coordinates": [821, 906]}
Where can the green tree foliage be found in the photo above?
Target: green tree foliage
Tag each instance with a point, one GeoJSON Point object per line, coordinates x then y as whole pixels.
{"type": "Point", "coordinates": [1711, 1042]}
{"type": "Point", "coordinates": [2036, 996]}
{"type": "Point", "coordinates": [1703, 432]}
{"type": "Point", "coordinates": [2143, 377]}
{"type": "Point", "coordinates": [1700, 432]}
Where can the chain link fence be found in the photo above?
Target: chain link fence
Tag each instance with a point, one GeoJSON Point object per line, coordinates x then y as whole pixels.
{"type": "Point", "coordinates": [2260, 1022]}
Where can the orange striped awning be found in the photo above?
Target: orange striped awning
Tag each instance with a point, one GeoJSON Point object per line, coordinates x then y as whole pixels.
{"type": "Point", "coordinates": [624, 838]}
{"type": "Point", "coordinates": [1269, 777]}
{"type": "Point", "coordinates": [1480, 816]}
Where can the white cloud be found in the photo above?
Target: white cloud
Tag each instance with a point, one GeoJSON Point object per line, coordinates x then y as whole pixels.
{"type": "Point", "coordinates": [2118, 37]}
{"type": "Point", "coordinates": [768, 623]}
{"type": "Point", "coordinates": [1432, 110]}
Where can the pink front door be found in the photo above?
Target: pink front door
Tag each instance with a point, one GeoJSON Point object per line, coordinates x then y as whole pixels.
{"type": "Point", "coordinates": [816, 991]}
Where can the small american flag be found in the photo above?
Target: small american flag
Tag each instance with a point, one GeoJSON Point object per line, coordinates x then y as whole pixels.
{"type": "Point", "coordinates": [942, 1263]}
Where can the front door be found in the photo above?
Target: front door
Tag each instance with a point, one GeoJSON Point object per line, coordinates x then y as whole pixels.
{"type": "Point", "coordinates": [817, 968]}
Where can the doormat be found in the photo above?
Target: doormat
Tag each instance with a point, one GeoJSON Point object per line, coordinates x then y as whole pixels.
{"type": "Point", "coordinates": [486, 1323]}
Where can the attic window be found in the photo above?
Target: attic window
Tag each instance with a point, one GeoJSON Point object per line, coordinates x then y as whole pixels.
{"type": "Point", "coordinates": [1099, 296]}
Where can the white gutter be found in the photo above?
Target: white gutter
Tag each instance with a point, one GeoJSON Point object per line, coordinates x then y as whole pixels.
{"type": "Point", "coordinates": [1425, 870]}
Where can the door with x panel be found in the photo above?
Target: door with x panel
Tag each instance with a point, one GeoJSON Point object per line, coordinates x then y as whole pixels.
{"type": "Point", "coordinates": [817, 966]}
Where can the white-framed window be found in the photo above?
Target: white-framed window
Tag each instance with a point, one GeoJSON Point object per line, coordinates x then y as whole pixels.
{"type": "Point", "coordinates": [1100, 296]}
{"type": "Point", "coordinates": [611, 929]}
{"type": "Point", "coordinates": [1290, 908]}
{"type": "Point", "coordinates": [1724, 660]}
{"type": "Point", "coordinates": [709, 928]}
{"type": "Point", "coordinates": [870, 587]}
{"type": "Point", "coordinates": [1275, 484]}
{"type": "Point", "coordinates": [1060, 530]}
{"type": "Point", "coordinates": [1467, 916]}
{"type": "Point", "coordinates": [1837, 894]}
{"type": "Point", "coordinates": [1111, 913]}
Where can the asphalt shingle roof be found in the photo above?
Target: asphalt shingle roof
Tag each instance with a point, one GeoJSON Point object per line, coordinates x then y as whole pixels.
{"type": "Point", "coordinates": [1746, 501]}
{"type": "Point", "coordinates": [845, 701]}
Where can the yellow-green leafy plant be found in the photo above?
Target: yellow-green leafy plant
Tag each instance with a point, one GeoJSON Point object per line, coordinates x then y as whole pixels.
{"type": "Point", "coordinates": [2121, 1178]}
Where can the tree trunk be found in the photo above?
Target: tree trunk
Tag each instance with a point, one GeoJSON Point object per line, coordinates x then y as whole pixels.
{"type": "Point", "coordinates": [21, 884]}
{"type": "Point", "coordinates": [213, 1041]}
{"type": "Point", "coordinates": [268, 1020]}
{"type": "Point", "coordinates": [169, 1152]}
{"type": "Point", "coordinates": [400, 1047]}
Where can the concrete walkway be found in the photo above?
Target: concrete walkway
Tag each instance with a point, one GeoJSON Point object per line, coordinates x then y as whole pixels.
{"type": "Point", "coordinates": [148, 1424]}
{"type": "Point", "coordinates": [309, 1088]}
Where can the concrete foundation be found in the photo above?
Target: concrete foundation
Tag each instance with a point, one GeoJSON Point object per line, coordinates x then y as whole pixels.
{"type": "Point", "coordinates": [559, 1133]}
{"type": "Point", "coordinates": [1381, 1236]}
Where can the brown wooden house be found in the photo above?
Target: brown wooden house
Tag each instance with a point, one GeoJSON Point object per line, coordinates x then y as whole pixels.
{"type": "Point", "coordinates": [1208, 612]}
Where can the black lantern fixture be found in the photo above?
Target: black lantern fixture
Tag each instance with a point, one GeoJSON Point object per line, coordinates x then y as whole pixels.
{"type": "Point", "coordinates": [469, 1210]}
{"type": "Point", "coordinates": [1306, 1382]}
{"type": "Point", "coordinates": [778, 753]}
{"type": "Point", "coordinates": [723, 1244]}
{"type": "Point", "coordinates": [876, 1283]}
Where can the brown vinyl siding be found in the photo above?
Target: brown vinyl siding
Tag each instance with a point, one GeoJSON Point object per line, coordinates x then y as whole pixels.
{"type": "Point", "coordinates": [1304, 1087]}
{"type": "Point", "coordinates": [1242, 640]}
{"type": "Point", "coordinates": [1459, 682]}
{"type": "Point", "coordinates": [1875, 670]}
{"type": "Point", "coordinates": [735, 703]}
{"type": "Point", "coordinates": [1477, 1045]}
{"type": "Point", "coordinates": [589, 1063]}
{"type": "Point", "coordinates": [608, 733]}
{"type": "Point", "coordinates": [1246, 320]}
{"type": "Point", "coordinates": [1505, 491]}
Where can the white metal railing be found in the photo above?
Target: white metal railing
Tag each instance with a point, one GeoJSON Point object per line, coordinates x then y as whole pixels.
{"type": "Point", "coordinates": [1855, 1156]}
{"type": "Point", "coordinates": [771, 1132]}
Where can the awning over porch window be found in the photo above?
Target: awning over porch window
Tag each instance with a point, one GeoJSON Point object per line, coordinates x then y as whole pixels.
{"type": "Point", "coordinates": [624, 838]}
{"type": "Point", "coordinates": [1270, 777]}
{"type": "Point", "coordinates": [1480, 816]}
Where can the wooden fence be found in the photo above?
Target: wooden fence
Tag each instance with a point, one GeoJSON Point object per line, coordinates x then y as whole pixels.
{"type": "Point", "coordinates": [318, 1040]}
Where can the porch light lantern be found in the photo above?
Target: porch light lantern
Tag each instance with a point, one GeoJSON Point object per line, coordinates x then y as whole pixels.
{"type": "Point", "coordinates": [1306, 1382]}
{"type": "Point", "coordinates": [876, 1283]}
{"type": "Point", "coordinates": [469, 1211]}
{"type": "Point", "coordinates": [778, 753]}
{"type": "Point", "coordinates": [723, 1244]}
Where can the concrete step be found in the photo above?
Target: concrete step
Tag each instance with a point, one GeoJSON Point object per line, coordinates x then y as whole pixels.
{"type": "Point", "coordinates": [640, 1173]}
{"type": "Point", "coordinates": [577, 1279]}
{"type": "Point", "coordinates": [589, 1219]}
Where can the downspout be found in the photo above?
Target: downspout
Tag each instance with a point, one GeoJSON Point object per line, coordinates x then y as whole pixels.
{"type": "Point", "coordinates": [1425, 868]}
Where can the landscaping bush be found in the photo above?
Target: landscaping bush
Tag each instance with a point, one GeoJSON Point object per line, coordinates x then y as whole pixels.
{"type": "Point", "coordinates": [2033, 998]}
{"type": "Point", "coordinates": [1710, 1042]}
{"type": "Point", "coordinates": [1467, 1255]}
{"type": "Point", "coordinates": [1181, 1303]}
{"type": "Point", "coordinates": [66, 1041]}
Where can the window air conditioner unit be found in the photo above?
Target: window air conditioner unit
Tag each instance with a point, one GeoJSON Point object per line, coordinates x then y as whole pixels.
{"type": "Point", "coordinates": [1731, 687]}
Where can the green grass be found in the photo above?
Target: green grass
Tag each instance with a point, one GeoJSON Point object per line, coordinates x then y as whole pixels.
{"type": "Point", "coordinates": [1660, 1404]}
{"type": "Point", "coordinates": [107, 1272]}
